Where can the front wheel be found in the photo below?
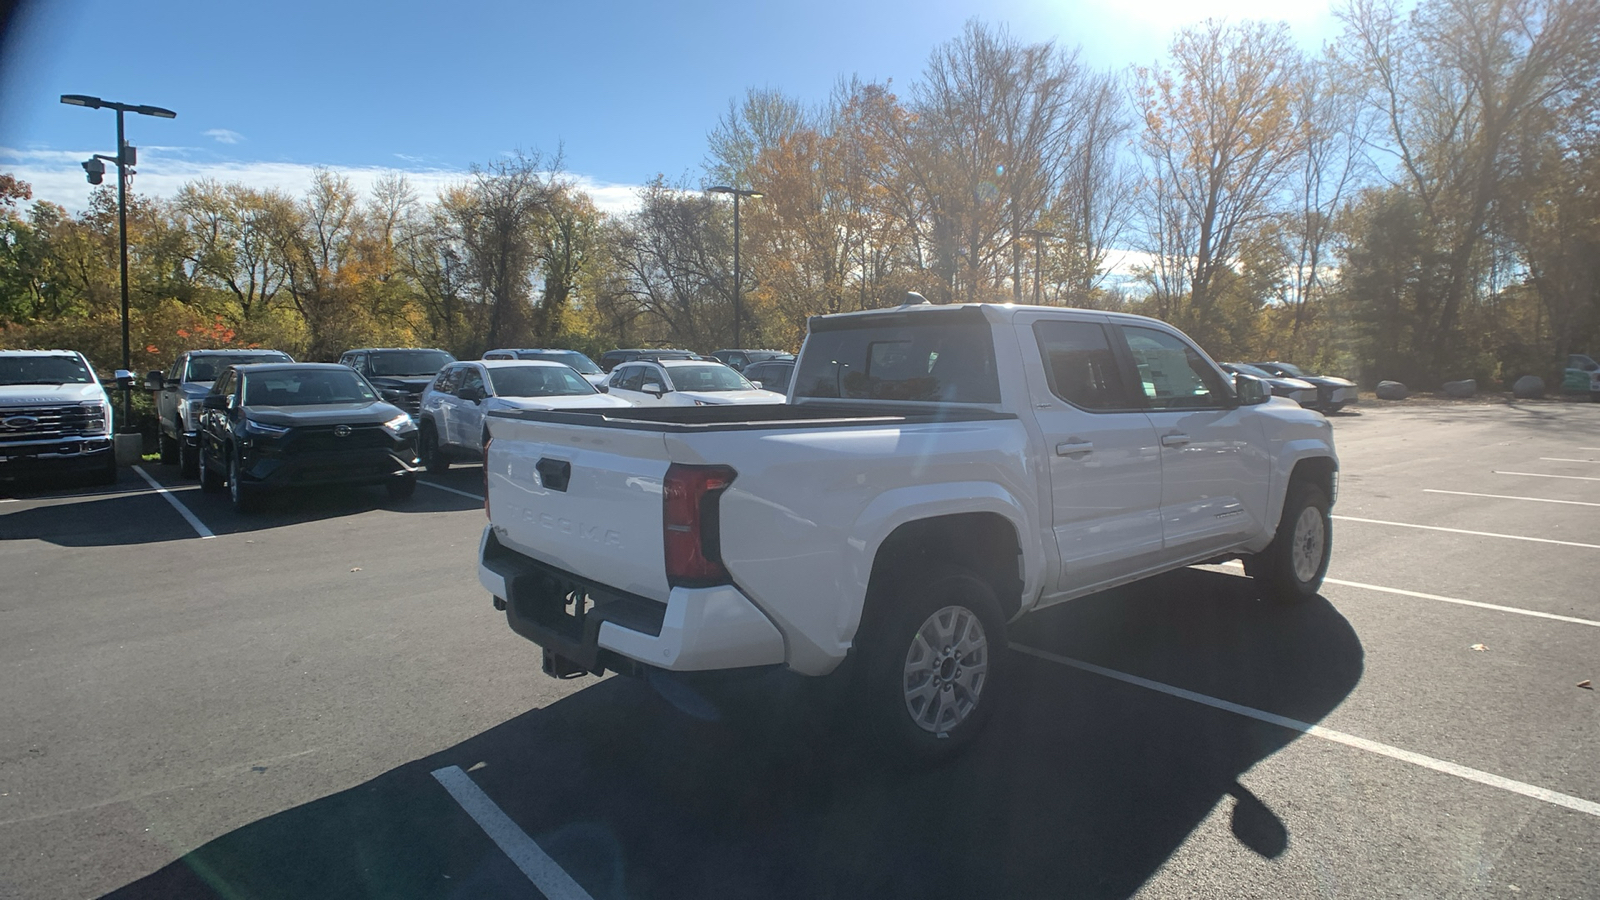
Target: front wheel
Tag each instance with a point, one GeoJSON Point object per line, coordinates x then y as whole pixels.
{"type": "Point", "coordinates": [932, 663]}
{"type": "Point", "coordinates": [169, 448]}
{"type": "Point", "coordinates": [246, 498]}
{"type": "Point", "coordinates": [188, 458]}
{"type": "Point", "coordinates": [1294, 564]}
{"type": "Point", "coordinates": [433, 459]}
{"type": "Point", "coordinates": [401, 488]}
{"type": "Point", "coordinates": [210, 479]}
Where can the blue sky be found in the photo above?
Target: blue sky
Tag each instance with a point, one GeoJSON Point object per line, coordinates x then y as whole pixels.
{"type": "Point", "coordinates": [264, 91]}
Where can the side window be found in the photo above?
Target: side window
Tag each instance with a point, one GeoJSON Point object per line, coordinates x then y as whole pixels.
{"type": "Point", "coordinates": [224, 385]}
{"type": "Point", "coordinates": [358, 361]}
{"type": "Point", "coordinates": [1173, 374]}
{"type": "Point", "coordinates": [470, 378]}
{"type": "Point", "coordinates": [655, 375]}
{"type": "Point", "coordinates": [446, 382]}
{"type": "Point", "coordinates": [176, 374]}
{"type": "Point", "coordinates": [628, 378]}
{"type": "Point", "coordinates": [1080, 366]}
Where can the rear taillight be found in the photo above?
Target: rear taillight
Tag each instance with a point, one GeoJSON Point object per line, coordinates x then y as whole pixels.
{"type": "Point", "coordinates": [486, 477]}
{"type": "Point", "coordinates": [692, 528]}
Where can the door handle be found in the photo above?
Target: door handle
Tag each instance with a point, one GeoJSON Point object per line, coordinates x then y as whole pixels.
{"type": "Point", "coordinates": [1174, 440]}
{"type": "Point", "coordinates": [1073, 448]}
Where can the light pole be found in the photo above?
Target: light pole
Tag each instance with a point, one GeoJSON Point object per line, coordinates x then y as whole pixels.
{"type": "Point", "coordinates": [737, 194]}
{"type": "Point", "coordinates": [126, 156]}
{"type": "Point", "coordinates": [1038, 236]}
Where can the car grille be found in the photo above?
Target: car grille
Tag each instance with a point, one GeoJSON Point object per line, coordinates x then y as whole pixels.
{"type": "Point", "coordinates": [410, 401]}
{"type": "Point", "coordinates": [321, 437]}
{"type": "Point", "coordinates": [47, 423]}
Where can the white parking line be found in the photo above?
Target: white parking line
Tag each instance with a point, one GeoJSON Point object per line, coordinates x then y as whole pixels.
{"type": "Point", "coordinates": [1565, 459]}
{"type": "Point", "coordinates": [546, 875]}
{"type": "Point", "coordinates": [194, 522]}
{"type": "Point", "coordinates": [1509, 497]}
{"type": "Point", "coordinates": [450, 490]}
{"type": "Point", "coordinates": [1545, 795]}
{"type": "Point", "coordinates": [1235, 564]}
{"type": "Point", "coordinates": [1509, 537]}
{"type": "Point", "coordinates": [1543, 475]}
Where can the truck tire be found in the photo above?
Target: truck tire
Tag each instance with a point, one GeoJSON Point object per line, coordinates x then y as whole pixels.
{"type": "Point", "coordinates": [169, 447]}
{"type": "Point", "coordinates": [932, 664]}
{"type": "Point", "coordinates": [211, 482]}
{"type": "Point", "coordinates": [188, 459]}
{"type": "Point", "coordinates": [1293, 565]}
{"type": "Point", "coordinates": [401, 488]}
{"type": "Point", "coordinates": [246, 498]}
{"type": "Point", "coordinates": [433, 458]}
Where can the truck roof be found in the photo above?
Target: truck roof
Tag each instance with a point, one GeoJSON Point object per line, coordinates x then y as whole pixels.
{"type": "Point", "coordinates": [990, 311]}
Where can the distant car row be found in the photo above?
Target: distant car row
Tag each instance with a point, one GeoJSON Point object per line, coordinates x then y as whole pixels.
{"type": "Point", "coordinates": [253, 421]}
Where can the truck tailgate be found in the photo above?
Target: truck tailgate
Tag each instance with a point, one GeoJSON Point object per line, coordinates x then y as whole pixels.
{"type": "Point", "coordinates": [584, 499]}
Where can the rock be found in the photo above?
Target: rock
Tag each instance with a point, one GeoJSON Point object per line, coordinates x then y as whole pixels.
{"type": "Point", "coordinates": [1392, 390]}
{"type": "Point", "coordinates": [1460, 389]}
{"type": "Point", "coordinates": [1528, 387]}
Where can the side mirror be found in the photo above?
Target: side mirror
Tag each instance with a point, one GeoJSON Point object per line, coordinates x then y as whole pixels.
{"type": "Point", "coordinates": [154, 381]}
{"type": "Point", "coordinates": [217, 401]}
{"type": "Point", "coordinates": [603, 387]}
{"type": "Point", "coordinates": [124, 379]}
{"type": "Point", "coordinates": [650, 387]}
{"type": "Point", "coordinates": [757, 385]}
{"type": "Point", "coordinates": [472, 394]}
{"type": "Point", "coordinates": [1251, 390]}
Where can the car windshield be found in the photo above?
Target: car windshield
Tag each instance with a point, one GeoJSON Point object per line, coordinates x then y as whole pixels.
{"type": "Point", "coordinates": [1291, 371]}
{"type": "Point", "coordinates": [538, 381]}
{"type": "Point", "coordinates": [573, 358]}
{"type": "Point", "coordinates": [707, 377]}
{"type": "Point", "coordinates": [305, 387]}
{"type": "Point", "coordinates": [207, 368]}
{"type": "Point", "coordinates": [44, 370]}
{"type": "Point", "coordinates": [395, 363]}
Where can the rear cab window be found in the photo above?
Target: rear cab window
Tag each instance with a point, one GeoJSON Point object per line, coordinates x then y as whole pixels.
{"type": "Point", "coordinates": [945, 357]}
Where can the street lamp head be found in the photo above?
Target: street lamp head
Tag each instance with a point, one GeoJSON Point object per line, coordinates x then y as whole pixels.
{"type": "Point", "coordinates": [737, 192]}
{"type": "Point", "coordinates": [721, 189]}
{"type": "Point", "coordinates": [156, 111]}
{"type": "Point", "coordinates": [753, 194]}
{"type": "Point", "coordinates": [81, 100]}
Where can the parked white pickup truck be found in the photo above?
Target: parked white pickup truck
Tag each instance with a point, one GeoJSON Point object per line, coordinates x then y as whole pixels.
{"type": "Point", "coordinates": [938, 472]}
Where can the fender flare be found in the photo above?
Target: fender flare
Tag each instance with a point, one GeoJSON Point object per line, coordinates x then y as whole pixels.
{"type": "Point", "coordinates": [894, 508]}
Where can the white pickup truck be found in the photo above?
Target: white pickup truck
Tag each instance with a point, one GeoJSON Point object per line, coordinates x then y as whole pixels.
{"type": "Point", "coordinates": [938, 472]}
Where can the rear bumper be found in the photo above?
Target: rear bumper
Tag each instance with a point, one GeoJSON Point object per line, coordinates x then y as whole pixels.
{"type": "Point", "coordinates": [600, 627]}
{"type": "Point", "coordinates": [23, 458]}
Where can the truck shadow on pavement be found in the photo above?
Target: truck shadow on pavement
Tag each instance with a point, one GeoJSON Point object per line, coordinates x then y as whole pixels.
{"type": "Point", "coordinates": [1082, 786]}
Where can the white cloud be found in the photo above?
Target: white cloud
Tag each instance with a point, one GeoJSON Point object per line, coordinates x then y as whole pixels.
{"type": "Point", "coordinates": [163, 171]}
{"type": "Point", "coordinates": [224, 136]}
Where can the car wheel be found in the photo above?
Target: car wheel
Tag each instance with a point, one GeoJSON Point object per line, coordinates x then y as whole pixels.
{"type": "Point", "coordinates": [246, 498]}
{"type": "Point", "coordinates": [188, 459]}
{"type": "Point", "coordinates": [1335, 408]}
{"type": "Point", "coordinates": [210, 479]}
{"type": "Point", "coordinates": [433, 459]}
{"type": "Point", "coordinates": [401, 488]}
{"type": "Point", "coordinates": [107, 474]}
{"type": "Point", "coordinates": [1293, 565]}
{"type": "Point", "coordinates": [931, 664]}
{"type": "Point", "coordinates": [169, 449]}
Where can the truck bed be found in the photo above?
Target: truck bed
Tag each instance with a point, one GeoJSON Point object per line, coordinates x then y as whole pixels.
{"type": "Point", "coordinates": [694, 419]}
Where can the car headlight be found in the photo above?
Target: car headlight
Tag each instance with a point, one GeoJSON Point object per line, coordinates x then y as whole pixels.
{"type": "Point", "coordinates": [400, 425]}
{"type": "Point", "coordinates": [263, 429]}
{"type": "Point", "coordinates": [196, 409]}
{"type": "Point", "coordinates": [94, 417]}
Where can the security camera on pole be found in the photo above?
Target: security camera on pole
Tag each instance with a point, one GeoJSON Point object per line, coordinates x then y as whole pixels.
{"type": "Point", "coordinates": [127, 440]}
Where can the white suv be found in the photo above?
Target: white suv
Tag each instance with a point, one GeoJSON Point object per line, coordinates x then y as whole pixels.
{"type": "Point", "coordinates": [54, 415]}
{"type": "Point", "coordinates": [685, 382]}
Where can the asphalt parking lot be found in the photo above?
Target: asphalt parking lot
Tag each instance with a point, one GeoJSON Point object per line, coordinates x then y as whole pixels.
{"type": "Point", "coordinates": [320, 701]}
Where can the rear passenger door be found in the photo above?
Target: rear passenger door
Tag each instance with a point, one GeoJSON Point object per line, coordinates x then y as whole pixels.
{"type": "Point", "coordinates": [466, 416]}
{"type": "Point", "coordinates": [1215, 475]}
{"type": "Point", "coordinates": [1103, 457]}
{"type": "Point", "coordinates": [436, 401]}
